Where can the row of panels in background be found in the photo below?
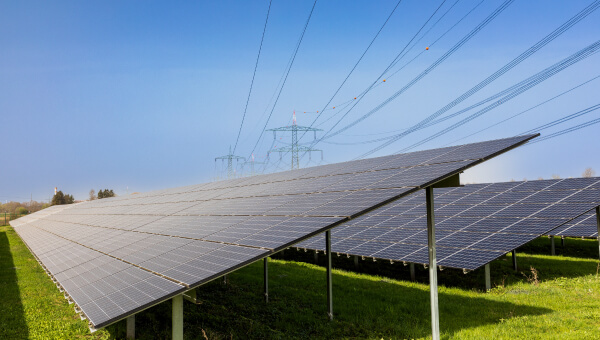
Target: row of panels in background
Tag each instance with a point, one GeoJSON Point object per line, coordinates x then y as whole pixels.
{"type": "Point", "coordinates": [475, 224]}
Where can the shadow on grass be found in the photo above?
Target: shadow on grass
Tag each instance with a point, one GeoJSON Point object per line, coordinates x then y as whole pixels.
{"type": "Point", "coordinates": [573, 247]}
{"type": "Point", "coordinates": [364, 307]}
{"type": "Point", "coordinates": [12, 315]}
{"type": "Point", "coordinates": [533, 255]}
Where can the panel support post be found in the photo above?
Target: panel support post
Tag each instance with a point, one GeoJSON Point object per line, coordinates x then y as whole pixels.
{"type": "Point", "coordinates": [224, 279]}
{"type": "Point", "coordinates": [356, 261]}
{"type": "Point", "coordinates": [552, 248]}
{"type": "Point", "coordinates": [266, 279]}
{"type": "Point", "coordinates": [514, 256]}
{"type": "Point", "coordinates": [488, 280]}
{"type": "Point", "coordinates": [177, 311]}
{"type": "Point", "coordinates": [562, 242]}
{"type": "Point", "coordinates": [316, 257]}
{"type": "Point", "coordinates": [433, 288]}
{"type": "Point", "coordinates": [598, 225]}
{"type": "Point", "coordinates": [412, 271]}
{"type": "Point", "coordinates": [329, 288]}
{"type": "Point", "coordinates": [131, 327]}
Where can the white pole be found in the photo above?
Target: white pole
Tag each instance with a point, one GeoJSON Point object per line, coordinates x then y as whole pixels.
{"type": "Point", "coordinates": [131, 327]}
{"type": "Point", "coordinates": [178, 317]}
{"type": "Point", "coordinates": [433, 288]}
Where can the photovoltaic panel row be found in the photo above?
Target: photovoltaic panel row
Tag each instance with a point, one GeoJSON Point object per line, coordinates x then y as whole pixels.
{"type": "Point", "coordinates": [475, 224]}
{"type": "Point", "coordinates": [585, 226]}
{"type": "Point", "coordinates": [335, 174]}
{"type": "Point", "coordinates": [100, 285]}
{"type": "Point", "coordinates": [188, 236]}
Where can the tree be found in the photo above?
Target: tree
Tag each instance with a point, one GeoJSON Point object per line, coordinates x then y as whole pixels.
{"type": "Point", "coordinates": [589, 172]}
{"type": "Point", "coordinates": [58, 199]}
{"type": "Point", "coordinates": [92, 195]}
{"type": "Point", "coordinates": [21, 211]}
{"type": "Point", "coordinates": [106, 193]}
{"type": "Point", "coordinates": [61, 198]}
{"type": "Point", "coordinates": [555, 176]}
{"type": "Point", "coordinates": [69, 199]}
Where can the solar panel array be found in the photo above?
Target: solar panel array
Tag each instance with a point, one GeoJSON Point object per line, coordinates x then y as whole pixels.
{"type": "Point", "coordinates": [116, 256]}
{"type": "Point", "coordinates": [584, 226]}
{"type": "Point", "coordinates": [475, 224]}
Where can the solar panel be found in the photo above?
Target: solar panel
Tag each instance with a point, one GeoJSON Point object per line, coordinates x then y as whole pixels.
{"type": "Point", "coordinates": [584, 226]}
{"type": "Point", "coordinates": [475, 224]}
{"type": "Point", "coordinates": [116, 256]}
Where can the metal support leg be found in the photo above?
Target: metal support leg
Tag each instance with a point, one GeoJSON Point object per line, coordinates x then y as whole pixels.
{"type": "Point", "coordinates": [433, 288]}
{"type": "Point", "coordinates": [552, 249]}
{"type": "Point", "coordinates": [224, 279]}
{"type": "Point", "coordinates": [131, 327]}
{"type": "Point", "coordinates": [177, 317]}
{"type": "Point", "coordinates": [355, 261]}
{"type": "Point", "coordinates": [412, 271]}
{"type": "Point", "coordinates": [514, 256]}
{"type": "Point", "coordinates": [598, 224]}
{"type": "Point", "coordinates": [190, 295]}
{"type": "Point", "coordinates": [266, 279]}
{"type": "Point", "coordinates": [317, 257]}
{"type": "Point", "coordinates": [488, 281]}
{"type": "Point", "coordinates": [329, 289]}
{"type": "Point", "coordinates": [562, 242]}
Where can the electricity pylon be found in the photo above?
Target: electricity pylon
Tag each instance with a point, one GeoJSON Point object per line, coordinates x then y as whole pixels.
{"type": "Point", "coordinates": [294, 149]}
{"type": "Point", "coordinates": [252, 163]}
{"type": "Point", "coordinates": [230, 157]}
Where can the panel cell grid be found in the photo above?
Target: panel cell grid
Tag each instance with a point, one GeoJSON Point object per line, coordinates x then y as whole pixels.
{"type": "Point", "coordinates": [480, 222]}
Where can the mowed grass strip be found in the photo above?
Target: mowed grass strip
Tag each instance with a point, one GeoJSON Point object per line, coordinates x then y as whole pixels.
{"type": "Point", "coordinates": [562, 301]}
{"type": "Point", "coordinates": [31, 306]}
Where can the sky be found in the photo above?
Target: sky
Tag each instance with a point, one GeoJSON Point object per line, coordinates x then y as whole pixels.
{"type": "Point", "coordinates": [144, 95]}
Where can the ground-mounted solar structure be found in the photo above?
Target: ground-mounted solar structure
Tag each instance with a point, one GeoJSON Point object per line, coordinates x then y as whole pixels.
{"type": "Point", "coordinates": [475, 224]}
{"type": "Point", "coordinates": [585, 226]}
{"type": "Point", "coordinates": [115, 257]}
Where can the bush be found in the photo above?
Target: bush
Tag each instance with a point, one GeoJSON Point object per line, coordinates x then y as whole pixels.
{"type": "Point", "coordinates": [21, 211]}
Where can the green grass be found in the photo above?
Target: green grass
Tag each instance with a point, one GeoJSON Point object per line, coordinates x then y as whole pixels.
{"type": "Point", "coordinates": [31, 307]}
{"type": "Point", "coordinates": [563, 303]}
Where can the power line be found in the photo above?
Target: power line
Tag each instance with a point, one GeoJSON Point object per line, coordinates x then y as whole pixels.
{"type": "Point", "coordinates": [253, 75]}
{"type": "Point", "coordinates": [423, 36]}
{"type": "Point", "coordinates": [526, 54]}
{"type": "Point", "coordinates": [348, 103]}
{"type": "Point", "coordinates": [375, 82]}
{"type": "Point", "coordinates": [576, 57]}
{"type": "Point", "coordinates": [286, 75]}
{"type": "Point", "coordinates": [567, 130]}
{"type": "Point", "coordinates": [487, 100]}
{"type": "Point", "coordinates": [357, 62]}
{"type": "Point", "coordinates": [525, 111]}
{"type": "Point", "coordinates": [458, 45]}
{"type": "Point", "coordinates": [563, 119]}
{"type": "Point", "coordinates": [398, 57]}
{"type": "Point", "coordinates": [380, 76]}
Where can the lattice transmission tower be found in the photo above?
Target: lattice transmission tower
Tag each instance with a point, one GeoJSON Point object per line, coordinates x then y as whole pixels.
{"type": "Point", "coordinates": [294, 149]}
{"type": "Point", "coordinates": [230, 158]}
{"type": "Point", "coordinates": [253, 163]}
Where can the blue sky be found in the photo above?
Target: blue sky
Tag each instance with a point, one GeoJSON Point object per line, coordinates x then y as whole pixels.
{"type": "Point", "coordinates": [145, 94]}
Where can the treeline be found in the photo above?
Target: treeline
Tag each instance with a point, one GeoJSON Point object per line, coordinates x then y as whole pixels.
{"type": "Point", "coordinates": [101, 194]}
{"type": "Point", "coordinates": [22, 207]}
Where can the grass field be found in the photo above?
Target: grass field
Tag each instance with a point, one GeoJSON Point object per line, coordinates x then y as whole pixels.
{"type": "Point", "coordinates": [563, 301]}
